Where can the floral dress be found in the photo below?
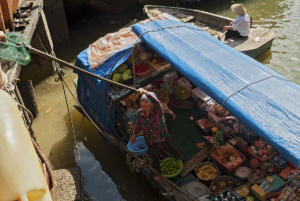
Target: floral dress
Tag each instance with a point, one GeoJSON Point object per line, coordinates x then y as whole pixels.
{"type": "Point", "coordinates": [153, 127]}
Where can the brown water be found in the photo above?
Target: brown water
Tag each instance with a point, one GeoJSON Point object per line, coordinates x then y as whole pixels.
{"type": "Point", "coordinates": [105, 175]}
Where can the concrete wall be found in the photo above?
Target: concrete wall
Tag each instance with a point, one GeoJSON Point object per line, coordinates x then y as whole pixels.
{"type": "Point", "coordinates": [39, 68]}
{"type": "Point", "coordinates": [57, 22]}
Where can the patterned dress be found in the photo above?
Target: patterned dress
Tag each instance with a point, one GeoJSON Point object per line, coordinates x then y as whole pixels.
{"type": "Point", "coordinates": [153, 127]}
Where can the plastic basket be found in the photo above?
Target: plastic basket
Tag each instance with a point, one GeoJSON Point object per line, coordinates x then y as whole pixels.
{"type": "Point", "coordinates": [175, 174]}
{"type": "Point", "coordinates": [204, 163]}
{"type": "Point", "coordinates": [139, 147]}
{"type": "Point", "coordinates": [243, 157]}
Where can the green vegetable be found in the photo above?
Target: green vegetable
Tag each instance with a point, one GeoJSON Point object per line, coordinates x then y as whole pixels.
{"type": "Point", "coordinates": [122, 68]}
{"type": "Point", "coordinates": [117, 77]}
{"type": "Point", "coordinates": [128, 71]}
{"type": "Point", "coordinates": [126, 76]}
{"type": "Point", "coordinates": [170, 166]}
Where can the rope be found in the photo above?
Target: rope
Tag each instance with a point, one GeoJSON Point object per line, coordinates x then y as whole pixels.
{"type": "Point", "coordinates": [134, 78]}
{"type": "Point", "coordinates": [71, 121]}
{"type": "Point", "coordinates": [163, 28]}
{"type": "Point", "coordinates": [4, 83]}
{"type": "Point", "coordinates": [241, 89]}
{"type": "Point", "coordinates": [28, 112]}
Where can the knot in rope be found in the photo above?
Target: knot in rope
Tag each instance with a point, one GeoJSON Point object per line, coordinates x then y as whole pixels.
{"type": "Point", "coordinates": [60, 75]}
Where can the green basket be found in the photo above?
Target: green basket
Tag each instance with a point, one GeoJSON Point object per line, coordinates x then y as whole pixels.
{"type": "Point", "coordinates": [175, 174]}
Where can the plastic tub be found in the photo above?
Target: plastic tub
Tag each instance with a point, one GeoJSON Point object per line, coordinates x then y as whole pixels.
{"type": "Point", "coordinates": [139, 147]}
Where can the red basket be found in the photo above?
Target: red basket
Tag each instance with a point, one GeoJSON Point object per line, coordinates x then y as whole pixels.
{"type": "Point", "coordinates": [144, 73]}
{"type": "Point", "coordinates": [235, 152]}
{"type": "Point", "coordinates": [257, 157]}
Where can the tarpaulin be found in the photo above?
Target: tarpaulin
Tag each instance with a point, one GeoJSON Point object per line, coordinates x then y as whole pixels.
{"type": "Point", "coordinates": [93, 94]}
{"type": "Point", "coordinates": [263, 100]}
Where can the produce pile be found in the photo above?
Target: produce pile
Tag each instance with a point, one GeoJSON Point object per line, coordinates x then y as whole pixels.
{"type": "Point", "coordinates": [228, 157]}
{"type": "Point", "coordinates": [241, 154]}
{"type": "Point", "coordinates": [170, 167]}
{"type": "Point", "coordinates": [141, 69]}
{"type": "Point", "coordinates": [222, 184]}
{"type": "Point", "coordinates": [207, 172]}
{"type": "Point", "coordinates": [122, 73]}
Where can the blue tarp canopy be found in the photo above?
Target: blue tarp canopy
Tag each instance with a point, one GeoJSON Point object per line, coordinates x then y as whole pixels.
{"type": "Point", "coordinates": [93, 94]}
{"type": "Point", "coordinates": [260, 98]}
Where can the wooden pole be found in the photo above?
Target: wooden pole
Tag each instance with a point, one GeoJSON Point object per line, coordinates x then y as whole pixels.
{"type": "Point", "coordinates": [41, 53]}
{"type": "Point", "coordinates": [7, 12]}
{"type": "Point", "coordinates": [2, 22]}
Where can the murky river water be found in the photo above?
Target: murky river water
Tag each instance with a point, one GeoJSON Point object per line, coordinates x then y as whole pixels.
{"type": "Point", "coordinates": [105, 175]}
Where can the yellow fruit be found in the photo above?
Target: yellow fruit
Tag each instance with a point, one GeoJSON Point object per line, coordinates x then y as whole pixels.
{"type": "Point", "coordinates": [214, 129]}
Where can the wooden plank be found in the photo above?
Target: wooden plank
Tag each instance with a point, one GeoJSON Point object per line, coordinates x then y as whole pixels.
{"type": "Point", "coordinates": [2, 23]}
{"type": "Point", "coordinates": [14, 5]}
{"type": "Point", "coordinates": [198, 157]}
{"type": "Point", "coordinates": [7, 13]}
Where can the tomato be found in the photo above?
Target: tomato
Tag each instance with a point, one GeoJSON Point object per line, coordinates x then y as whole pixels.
{"type": "Point", "coordinates": [141, 68]}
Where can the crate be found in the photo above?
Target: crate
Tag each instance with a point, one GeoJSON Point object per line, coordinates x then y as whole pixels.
{"type": "Point", "coordinates": [233, 150]}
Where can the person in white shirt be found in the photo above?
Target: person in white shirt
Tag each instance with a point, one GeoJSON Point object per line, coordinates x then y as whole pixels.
{"type": "Point", "coordinates": [240, 28]}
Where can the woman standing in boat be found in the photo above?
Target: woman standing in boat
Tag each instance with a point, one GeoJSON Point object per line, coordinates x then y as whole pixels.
{"type": "Point", "coordinates": [150, 121]}
{"type": "Point", "coordinates": [240, 28]}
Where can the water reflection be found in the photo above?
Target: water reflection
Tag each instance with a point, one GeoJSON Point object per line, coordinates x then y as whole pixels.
{"type": "Point", "coordinates": [100, 186]}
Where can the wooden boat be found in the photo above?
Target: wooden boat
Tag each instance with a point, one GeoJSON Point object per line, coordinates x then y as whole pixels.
{"type": "Point", "coordinates": [259, 40]}
{"type": "Point", "coordinates": [208, 68]}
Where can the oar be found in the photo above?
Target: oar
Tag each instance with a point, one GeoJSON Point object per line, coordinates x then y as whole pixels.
{"type": "Point", "coordinates": [41, 53]}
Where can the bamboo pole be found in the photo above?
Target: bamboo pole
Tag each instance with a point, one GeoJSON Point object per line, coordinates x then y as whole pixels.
{"type": "Point", "coordinates": [41, 53]}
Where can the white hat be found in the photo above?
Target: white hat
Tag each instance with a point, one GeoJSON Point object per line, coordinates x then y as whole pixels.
{"type": "Point", "coordinates": [238, 9]}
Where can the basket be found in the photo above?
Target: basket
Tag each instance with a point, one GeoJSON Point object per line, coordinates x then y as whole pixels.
{"type": "Point", "coordinates": [139, 147]}
{"type": "Point", "coordinates": [206, 163]}
{"type": "Point", "coordinates": [233, 150]}
{"type": "Point", "coordinates": [175, 174]}
{"type": "Point", "coordinates": [257, 157]}
{"type": "Point", "coordinates": [142, 74]}
{"type": "Point", "coordinates": [223, 178]}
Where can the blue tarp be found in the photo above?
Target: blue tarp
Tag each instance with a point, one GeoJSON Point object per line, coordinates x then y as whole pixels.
{"type": "Point", "coordinates": [270, 105]}
{"type": "Point", "coordinates": [93, 94]}
{"type": "Point", "coordinates": [260, 98]}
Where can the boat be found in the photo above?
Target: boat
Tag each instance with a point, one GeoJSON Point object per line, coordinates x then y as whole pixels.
{"type": "Point", "coordinates": [259, 99]}
{"type": "Point", "coordinates": [259, 40]}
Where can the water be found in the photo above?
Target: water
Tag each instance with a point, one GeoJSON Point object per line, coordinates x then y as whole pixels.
{"type": "Point", "coordinates": [101, 164]}
{"type": "Point", "coordinates": [284, 18]}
